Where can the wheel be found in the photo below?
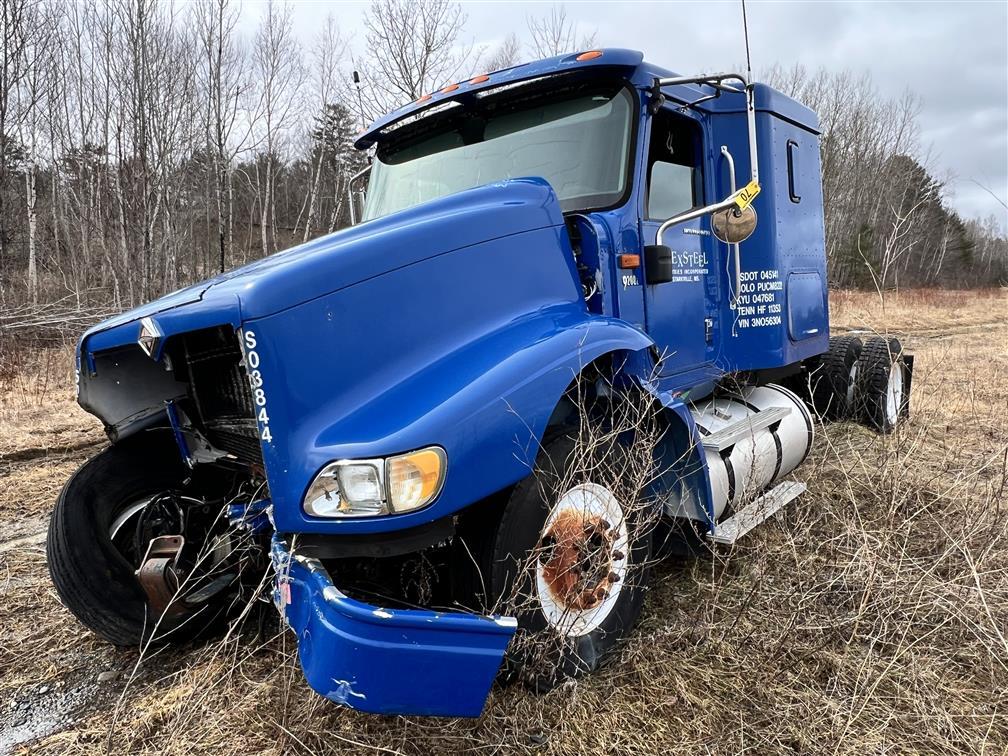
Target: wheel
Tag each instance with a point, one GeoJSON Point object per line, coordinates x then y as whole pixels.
{"type": "Point", "coordinates": [570, 562]}
{"type": "Point", "coordinates": [833, 392]}
{"type": "Point", "coordinates": [104, 519]}
{"type": "Point", "coordinates": [881, 381]}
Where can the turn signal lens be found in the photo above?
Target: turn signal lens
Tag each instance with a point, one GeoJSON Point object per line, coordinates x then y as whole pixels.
{"type": "Point", "coordinates": [415, 479]}
{"type": "Point", "coordinates": [590, 55]}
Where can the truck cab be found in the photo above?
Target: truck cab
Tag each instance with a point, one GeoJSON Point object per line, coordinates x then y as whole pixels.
{"type": "Point", "coordinates": [585, 303]}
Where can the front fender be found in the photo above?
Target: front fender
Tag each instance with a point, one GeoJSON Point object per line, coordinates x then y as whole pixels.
{"type": "Point", "coordinates": [486, 403]}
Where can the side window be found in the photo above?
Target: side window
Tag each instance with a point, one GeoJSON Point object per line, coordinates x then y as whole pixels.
{"type": "Point", "coordinates": [674, 179]}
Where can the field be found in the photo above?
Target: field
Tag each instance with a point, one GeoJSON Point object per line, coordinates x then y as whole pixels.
{"type": "Point", "coordinates": [870, 617]}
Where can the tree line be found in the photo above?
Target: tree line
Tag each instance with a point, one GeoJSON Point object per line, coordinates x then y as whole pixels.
{"type": "Point", "coordinates": [145, 145]}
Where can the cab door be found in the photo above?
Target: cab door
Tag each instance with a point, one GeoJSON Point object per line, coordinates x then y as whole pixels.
{"type": "Point", "coordinates": [681, 313]}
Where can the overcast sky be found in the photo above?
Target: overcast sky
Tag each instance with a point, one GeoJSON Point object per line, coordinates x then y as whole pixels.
{"type": "Point", "coordinates": [954, 55]}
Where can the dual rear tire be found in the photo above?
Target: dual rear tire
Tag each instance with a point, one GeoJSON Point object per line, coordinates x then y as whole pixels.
{"type": "Point", "coordinates": [881, 385]}
{"type": "Point", "coordinates": [867, 382]}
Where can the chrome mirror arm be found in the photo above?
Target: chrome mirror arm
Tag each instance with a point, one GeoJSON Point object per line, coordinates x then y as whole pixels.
{"type": "Point", "coordinates": [717, 81]}
{"type": "Point", "coordinates": [350, 194]}
{"type": "Point", "coordinates": [697, 212]}
{"type": "Point", "coordinates": [735, 247]}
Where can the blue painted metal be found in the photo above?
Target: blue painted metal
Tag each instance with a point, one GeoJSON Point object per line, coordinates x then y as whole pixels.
{"type": "Point", "coordinates": [180, 441]}
{"type": "Point", "coordinates": [387, 661]}
{"type": "Point", "coordinates": [252, 516]}
{"type": "Point", "coordinates": [460, 322]}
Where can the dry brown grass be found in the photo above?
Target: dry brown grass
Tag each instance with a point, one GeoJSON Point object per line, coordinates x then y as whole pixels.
{"type": "Point", "coordinates": [919, 311]}
{"type": "Point", "coordinates": [870, 617]}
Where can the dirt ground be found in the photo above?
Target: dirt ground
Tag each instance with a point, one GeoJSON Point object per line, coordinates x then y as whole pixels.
{"type": "Point", "coordinates": [870, 617]}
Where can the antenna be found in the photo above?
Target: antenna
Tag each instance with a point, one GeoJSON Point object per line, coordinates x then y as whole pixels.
{"type": "Point", "coordinates": [745, 30]}
{"type": "Point", "coordinates": [360, 100]}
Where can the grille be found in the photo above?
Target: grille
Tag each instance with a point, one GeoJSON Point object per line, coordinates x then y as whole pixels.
{"type": "Point", "coordinates": [221, 393]}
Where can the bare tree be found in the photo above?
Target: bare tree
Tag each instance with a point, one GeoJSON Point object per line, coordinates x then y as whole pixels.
{"type": "Point", "coordinates": [223, 82]}
{"type": "Point", "coordinates": [555, 34]}
{"type": "Point", "coordinates": [30, 94]}
{"type": "Point", "coordinates": [413, 49]}
{"type": "Point", "coordinates": [17, 34]}
{"type": "Point", "coordinates": [280, 76]}
{"type": "Point", "coordinates": [327, 56]}
{"type": "Point", "coordinates": [506, 55]}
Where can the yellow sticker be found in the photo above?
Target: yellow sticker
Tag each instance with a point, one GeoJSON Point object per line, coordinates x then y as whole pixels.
{"type": "Point", "coordinates": [747, 194]}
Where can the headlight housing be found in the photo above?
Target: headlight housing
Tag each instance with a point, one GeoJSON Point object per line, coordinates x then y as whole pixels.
{"type": "Point", "coordinates": [370, 487]}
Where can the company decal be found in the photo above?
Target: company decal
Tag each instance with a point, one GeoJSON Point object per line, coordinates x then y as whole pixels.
{"type": "Point", "coordinates": [759, 303]}
{"type": "Point", "coordinates": [689, 267]}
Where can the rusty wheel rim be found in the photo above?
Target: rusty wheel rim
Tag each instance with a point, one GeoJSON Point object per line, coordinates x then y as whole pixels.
{"type": "Point", "coordinates": [582, 559]}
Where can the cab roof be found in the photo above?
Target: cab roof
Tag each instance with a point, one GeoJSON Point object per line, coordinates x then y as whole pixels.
{"type": "Point", "coordinates": [628, 64]}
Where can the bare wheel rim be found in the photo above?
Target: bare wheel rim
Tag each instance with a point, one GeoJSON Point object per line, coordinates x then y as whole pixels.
{"type": "Point", "coordinates": [583, 559]}
{"type": "Point", "coordinates": [123, 526]}
{"type": "Point", "coordinates": [894, 393]}
{"type": "Point", "coordinates": [125, 516]}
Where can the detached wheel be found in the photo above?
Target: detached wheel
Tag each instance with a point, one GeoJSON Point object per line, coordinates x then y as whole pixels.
{"type": "Point", "coordinates": [570, 562]}
{"type": "Point", "coordinates": [833, 387]}
{"type": "Point", "coordinates": [881, 384]}
{"type": "Point", "coordinates": [105, 516]}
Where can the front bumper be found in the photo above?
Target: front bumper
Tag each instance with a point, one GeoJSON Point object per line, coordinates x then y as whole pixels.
{"type": "Point", "coordinates": [386, 661]}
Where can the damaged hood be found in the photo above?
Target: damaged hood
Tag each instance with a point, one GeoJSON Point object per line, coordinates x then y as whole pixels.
{"type": "Point", "coordinates": [339, 260]}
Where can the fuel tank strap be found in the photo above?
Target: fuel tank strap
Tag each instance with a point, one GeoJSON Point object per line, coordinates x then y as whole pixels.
{"type": "Point", "coordinates": [731, 435]}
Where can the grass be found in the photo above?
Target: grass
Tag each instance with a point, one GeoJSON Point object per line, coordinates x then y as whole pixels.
{"type": "Point", "coordinates": [871, 616]}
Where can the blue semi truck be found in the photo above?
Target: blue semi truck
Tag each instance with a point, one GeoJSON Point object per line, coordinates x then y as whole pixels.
{"type": "Point", "coordinates": [371, 415]}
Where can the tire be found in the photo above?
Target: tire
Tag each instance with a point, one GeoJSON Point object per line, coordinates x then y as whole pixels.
{"type": "Point", "coordinates": [555, 644]}
{"type": "Point", "coordinates": [805, 381]}
{"type": "Point", "coordinates": [880, 392]}
{"type": "Point", "coordinates": [94, 578]}
{"type": "Point", "coordinates": [833, 392]}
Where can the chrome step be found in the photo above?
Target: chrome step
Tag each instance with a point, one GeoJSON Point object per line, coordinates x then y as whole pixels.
{"type": "Point", "coordinates": [745, 428]}
{"type": "Point", "coordinates": [755, 512]}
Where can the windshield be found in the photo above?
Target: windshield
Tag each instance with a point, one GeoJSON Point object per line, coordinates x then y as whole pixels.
{"type": "Point", "coordinates": [579, 143]}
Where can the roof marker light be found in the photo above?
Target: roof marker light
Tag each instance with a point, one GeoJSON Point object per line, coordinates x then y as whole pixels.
{"type": "Point", "coordinates": [423, 98]}
{"type": "Point", "coordinates": [590, 55]}
{"type": "Point", "coordinates": [479, 79]}
{"type": "Point", "coordinates": [449, 88]}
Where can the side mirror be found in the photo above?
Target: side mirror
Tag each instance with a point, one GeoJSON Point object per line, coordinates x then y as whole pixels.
{"type": "Point", "coordinates": [658, 264]}
{"type": "Point", "coordinates": [733, 225]}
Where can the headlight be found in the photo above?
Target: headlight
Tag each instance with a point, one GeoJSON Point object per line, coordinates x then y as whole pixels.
{"type": "Point", "coordinates": [368, 487]}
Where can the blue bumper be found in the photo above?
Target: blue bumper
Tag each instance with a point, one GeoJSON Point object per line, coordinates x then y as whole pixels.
{"type": "Point", "coordinates": [386, 661]}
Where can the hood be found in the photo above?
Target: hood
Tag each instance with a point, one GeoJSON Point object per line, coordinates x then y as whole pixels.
{"type": "Point", "coordinates": [370, 249]}
{"type": "Point", "coordinates": [338, 260]}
